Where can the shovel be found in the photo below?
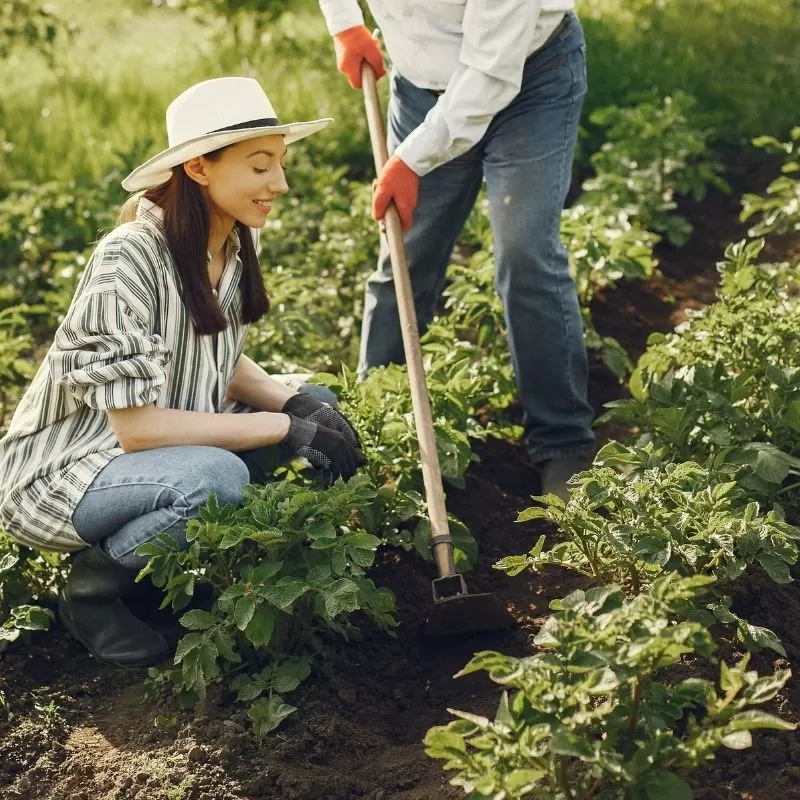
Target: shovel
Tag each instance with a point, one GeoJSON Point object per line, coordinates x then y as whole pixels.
{"type": "Point", "coordinates": [454, 610]}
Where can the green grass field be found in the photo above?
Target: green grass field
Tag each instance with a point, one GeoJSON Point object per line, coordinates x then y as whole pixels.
{"type": "Point", "coordinates": [113, 78]}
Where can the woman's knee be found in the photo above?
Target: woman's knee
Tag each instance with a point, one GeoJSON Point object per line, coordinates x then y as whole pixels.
{"type": "Point", "coordinates": [320, 392]}
{"type": "Point", "coordinates": [212, 470]}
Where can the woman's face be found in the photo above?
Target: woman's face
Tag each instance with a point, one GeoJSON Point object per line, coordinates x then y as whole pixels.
{"type": "Point", "coordinates": [245, 178]}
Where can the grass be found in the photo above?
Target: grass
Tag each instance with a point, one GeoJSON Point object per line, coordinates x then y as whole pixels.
{"type": "Point", "coordinates": [114, 78]}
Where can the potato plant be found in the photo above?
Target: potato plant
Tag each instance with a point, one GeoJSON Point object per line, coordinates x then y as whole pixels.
{"type": "Point", "coordinates": [283, 572]}
{"type": "Point", "coordinates": [592, 713]}
{"type": "Point", "coordinates": [634, 516]}
{"type": "Point", "coordinates": [724, 385]}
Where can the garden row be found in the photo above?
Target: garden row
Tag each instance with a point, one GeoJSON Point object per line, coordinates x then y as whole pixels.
{"type": "Point", "coordinates": [664, 525]}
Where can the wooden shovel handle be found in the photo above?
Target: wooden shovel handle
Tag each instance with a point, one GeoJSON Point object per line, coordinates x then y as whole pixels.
{"type": "Point", "coordinates": [431, 473]}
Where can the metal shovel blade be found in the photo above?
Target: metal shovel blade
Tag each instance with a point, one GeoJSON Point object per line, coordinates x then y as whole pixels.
{"type": "Point", "coordinates": [457, 612]}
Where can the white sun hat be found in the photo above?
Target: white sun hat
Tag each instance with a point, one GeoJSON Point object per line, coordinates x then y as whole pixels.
{"type": "Point", "coordinates": [211, 115]}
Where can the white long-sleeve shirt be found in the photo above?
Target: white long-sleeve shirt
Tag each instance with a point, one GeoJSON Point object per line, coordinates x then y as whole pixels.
{"type": "Point", "coordinates": [473, 51]}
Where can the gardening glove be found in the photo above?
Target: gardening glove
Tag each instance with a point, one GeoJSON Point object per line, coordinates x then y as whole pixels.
{"type": "Point", "coordinates": [306, 407]}
{"type": "Point", "coordinates": [397, 183]}
{"type": "Point", "coordinates": [324, 448]}
{"type": "Point", "coordinates": [353, 46]}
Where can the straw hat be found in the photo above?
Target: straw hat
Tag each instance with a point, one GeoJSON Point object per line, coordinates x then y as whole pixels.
{"type": "Point", "coordinates": [211, 115]}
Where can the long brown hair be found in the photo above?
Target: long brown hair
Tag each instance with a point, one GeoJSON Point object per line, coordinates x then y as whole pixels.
{"type": "Point", "coordinates": [186, 227]}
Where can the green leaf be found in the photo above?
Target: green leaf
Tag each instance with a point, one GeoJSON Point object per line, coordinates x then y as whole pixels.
{"type": "Point", "coordinates": [285, 592]}
{"type": "Point", "coordinates": [268, 713]}
{"type": "Point", "coordinates": [653, 550]}
{"type": "Point", "coordinates": [750, 720]}
{"type": "Point", "coordinates": [566, 743]}
{"type": "Point", "coordinates": [225, 644]}
{"type": "Point", "coordinates": [290, 674]}
{"type": "Point", "coordinates": [261, 626]}
{"type": "Point", "coordinates": [535, 512]}
{"type": "Point", "coordinates": [791, 415]}
{"type": "Point", "coordinates": [759, 638]}
{"type": "Point", "coordinates": [243, 611]}
{"type": "Point", "coordinates": [522, 780]}
{"type": "Point", "coordinates": [189, 642]}
{"type": "Point", "coordinates": [197, 620]}
{"type": "Point", "coordinates": [662, 785]}
{"type": "Point", "coordinates": [341, 597]}
{"type": "Point", "coordinates": [8, 561]}
{"type": "Point", "coordinates": [442, 742]}
{"type": "Point", "coordinates": [226, 599]}
{"type": "Point", "coordinates": [738, 740]}
{"type": "Point", "coordinates": [31, 618]}
{"type": "Point", "coordinates": [512, 565]}
{"type": "Point", "coordinates": [769, 463]}
{"type": "Point", "coordinates": [775, 567]}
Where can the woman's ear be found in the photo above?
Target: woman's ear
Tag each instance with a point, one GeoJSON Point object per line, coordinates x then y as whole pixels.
{"type": "Point", "coordinates": [196, 170]}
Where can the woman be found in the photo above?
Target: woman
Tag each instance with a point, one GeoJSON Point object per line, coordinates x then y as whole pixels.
{"type": "Point", "coordinates": [121, 435]}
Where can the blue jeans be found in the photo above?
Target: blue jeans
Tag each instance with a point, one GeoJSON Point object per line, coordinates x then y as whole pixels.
{"type": "Point", "coordinates": [526, 158]}
{"type": "Point", "coordinates": [139, 495]}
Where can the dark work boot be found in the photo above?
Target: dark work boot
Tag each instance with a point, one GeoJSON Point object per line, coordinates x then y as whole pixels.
{"type": "Point", "coordinates": [91, 610]}
{"type": "Point", "coordinates": [556, 473]}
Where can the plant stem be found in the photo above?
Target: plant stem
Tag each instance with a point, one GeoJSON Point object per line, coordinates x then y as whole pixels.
{"type": "Point", "coordinates": [634, 719]}
{"type": "Point", "coordinates": [789, 488]}
{"type": "Point", "coordinates": [591, 790]}
{"type": "Point", "coordinates": [563, 780]}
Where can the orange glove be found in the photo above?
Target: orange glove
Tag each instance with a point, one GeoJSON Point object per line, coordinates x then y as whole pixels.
{"type": "Point", "coordinates": [353, 46]}
{"type": "Point", "coordinates": [397, 183]}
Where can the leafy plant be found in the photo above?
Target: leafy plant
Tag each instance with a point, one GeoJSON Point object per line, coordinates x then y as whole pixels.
{"type": "Point", "coordinates": [605, 247]}
{"type": "Point", "coordinates": [633, 517]}
{"type": "Point", "coordinates": [239, 21]}
{"type": "Point", "coordinates": [779, 209]}
{"type": "Point", "coordinates": [30, 24]}
{"type": "Point", "coordinates": [459, 380]}
{"type": "Point", "coordinates": [16, 369]}
{"type": "Point", "coordinates": [282, 570]}
{"type": "Point", "coordinates": [27, 578]}
{"type": "Point", "coordinates": [590, 714]}
{"type": "Point", "coordinates": [652, 153]}
{"type": "Point", "coordinates": [724, 385]}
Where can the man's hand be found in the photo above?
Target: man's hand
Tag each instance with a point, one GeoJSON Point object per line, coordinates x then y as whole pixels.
{"type": "Point", "coordinates": [353, 46]}
{"type": "Point", "coordinates": [397, 183]}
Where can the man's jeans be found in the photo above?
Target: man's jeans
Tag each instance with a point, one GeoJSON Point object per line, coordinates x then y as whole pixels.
{"type": "Point", "coordinates": [139, 495]}
{"type": "Point", "coordinates": [526, 158]}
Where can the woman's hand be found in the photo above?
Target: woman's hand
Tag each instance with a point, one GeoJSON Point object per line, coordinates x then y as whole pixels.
{"type": "Point", "coordinates": [324, 448]}
{"type": "Point", "coordinates": [306, 407]}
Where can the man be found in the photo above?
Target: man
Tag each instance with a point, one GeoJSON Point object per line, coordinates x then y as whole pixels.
{"type": "Point", "coordinates": [484, 89]}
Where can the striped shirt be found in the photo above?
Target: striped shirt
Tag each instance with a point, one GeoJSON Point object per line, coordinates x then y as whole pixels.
{"type": "Point", "coordinates": [127, 340]}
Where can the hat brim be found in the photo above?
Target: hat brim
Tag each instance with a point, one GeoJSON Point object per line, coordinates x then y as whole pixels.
{"type": "Point", "coordinates": [158, 169]}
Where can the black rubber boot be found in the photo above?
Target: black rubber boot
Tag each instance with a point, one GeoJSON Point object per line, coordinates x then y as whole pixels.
{"type": "Point", "coordinates": [91, 610]}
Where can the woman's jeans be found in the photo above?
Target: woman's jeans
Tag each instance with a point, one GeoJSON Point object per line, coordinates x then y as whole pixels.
{"type": "Point", "coordinates": [526, 158]}
{"type": "Point", "coordinates": [139, 495]}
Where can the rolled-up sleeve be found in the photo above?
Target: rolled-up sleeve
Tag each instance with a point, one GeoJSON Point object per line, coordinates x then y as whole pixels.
{"type": "Point", "coordinates": [106, 356]}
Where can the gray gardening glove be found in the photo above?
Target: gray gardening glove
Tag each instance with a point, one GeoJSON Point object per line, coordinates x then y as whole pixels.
{"type": "Point", "coordinates": [324, 448]}
{"type": "Point", "coordinates": [306, 407]}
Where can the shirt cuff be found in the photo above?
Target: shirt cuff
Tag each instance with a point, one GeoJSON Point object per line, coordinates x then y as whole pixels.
{"type": "Point", "coordinates": [418, 154]}
{"type": "Point", "coordinates": [341, 15]}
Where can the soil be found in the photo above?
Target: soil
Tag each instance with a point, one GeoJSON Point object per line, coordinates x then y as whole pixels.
{"type": "Point", "coordinates": [78, 730]}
